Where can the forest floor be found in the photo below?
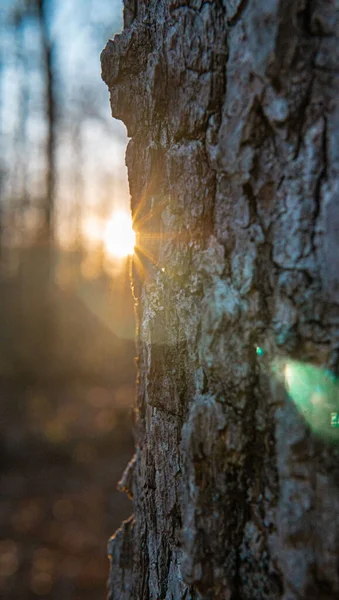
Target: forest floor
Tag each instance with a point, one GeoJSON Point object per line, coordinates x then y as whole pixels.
{"type": "Point", "coordinates": [62, 451]}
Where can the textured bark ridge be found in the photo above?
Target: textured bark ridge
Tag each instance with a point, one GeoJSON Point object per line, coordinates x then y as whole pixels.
{"type": "Point", "coordinates": [233, 112]}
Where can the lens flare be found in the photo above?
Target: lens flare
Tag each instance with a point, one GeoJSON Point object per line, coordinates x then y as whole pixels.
{"type": "Point", "coordinates": [315, 393]}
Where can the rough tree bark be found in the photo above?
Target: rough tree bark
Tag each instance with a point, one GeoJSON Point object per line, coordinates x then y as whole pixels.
{"type": "Point", "coordinates": [233, 112]}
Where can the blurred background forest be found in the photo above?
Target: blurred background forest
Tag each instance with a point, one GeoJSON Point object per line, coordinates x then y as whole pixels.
{"type": "Point", "coordinates": [66, 313]}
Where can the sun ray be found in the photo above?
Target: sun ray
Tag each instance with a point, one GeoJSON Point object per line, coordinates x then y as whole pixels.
{"type": "Point", "coordinates": [148, 216]}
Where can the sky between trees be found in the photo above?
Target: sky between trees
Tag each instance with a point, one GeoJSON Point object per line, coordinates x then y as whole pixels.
{"type": "Point", "coordinates": [90, 173]}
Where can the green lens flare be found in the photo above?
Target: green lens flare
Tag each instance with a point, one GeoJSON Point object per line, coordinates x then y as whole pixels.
{"type": "Point", "coordinates": [259, 351]}
{"type": "Point", "coordinates": [315, 393]}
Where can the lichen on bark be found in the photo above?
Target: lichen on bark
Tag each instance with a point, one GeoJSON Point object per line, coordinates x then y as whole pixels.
{"type": "Point", "coordinates": [233, 112]}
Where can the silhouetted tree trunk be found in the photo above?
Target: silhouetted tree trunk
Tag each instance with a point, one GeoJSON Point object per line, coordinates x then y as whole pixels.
{"type": "Point", "coordinates": [50, 107]}
{"type": "Point", "coordinates": [233, 111]}
{"type": "Point", "coordinates": [20, 191]}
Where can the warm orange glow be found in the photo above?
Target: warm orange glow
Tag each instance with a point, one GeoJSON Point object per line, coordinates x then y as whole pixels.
{"type": "Point", "coordinates": [119, 237]}
{"type": "Point", "coordinates": [92, 228]}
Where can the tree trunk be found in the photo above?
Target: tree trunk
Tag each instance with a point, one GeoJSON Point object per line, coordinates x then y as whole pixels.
{"type": "Point", "coordinates": [233, 111]}
{"type": "Point", "coordinates": [43, 7]}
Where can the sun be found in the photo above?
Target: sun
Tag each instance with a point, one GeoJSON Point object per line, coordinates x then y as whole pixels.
{"type": "Point", "coordinates": [119, 237]}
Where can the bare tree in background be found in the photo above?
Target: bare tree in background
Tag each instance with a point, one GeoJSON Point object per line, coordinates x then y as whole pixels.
{"type": "Point", "coordinates": [233, 111]}
{"type": "Point", "coordinates": [23, 159]}
{"type": "Point", "coordinates": [43, 7]}
{"type": "Point", "coordinates": [20, 188]}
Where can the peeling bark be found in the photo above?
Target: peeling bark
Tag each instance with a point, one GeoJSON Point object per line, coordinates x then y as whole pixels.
{"type": "Point", "coordinates": [233, 112]}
